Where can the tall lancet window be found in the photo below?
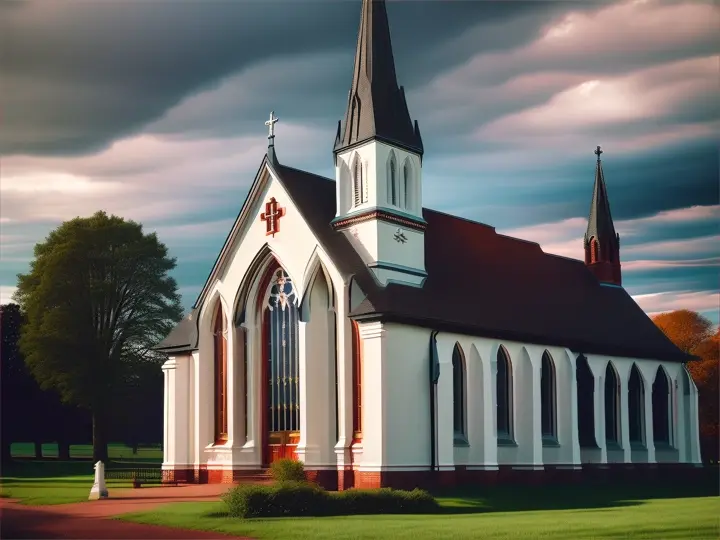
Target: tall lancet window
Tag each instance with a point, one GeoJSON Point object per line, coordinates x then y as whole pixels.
{"type": "Point", "coordinates": [392, 181]}
{"type": "Point", "coordinates": [548, 398]}
{"type": "Point", "coordinates": [283, 359]}
{"type": "Point", "coordinates": [636, 407]}
{"type": "Point", "coordinates": [220, 368]}
{"type": "Point", "coordinates": [407, 187]}
{"type": "Point", "coordinates": [458, 366]}
{"type": "Point", "coordinates": [504, 396]}
{"type": "Point", "coordinates": [357, 380]}
{"type": "Point", "coordinates": [359, 183]}
{"type": "Point", "coordinates": [612, 405]}
{"type": "Point", "coordinates": [662, 412]}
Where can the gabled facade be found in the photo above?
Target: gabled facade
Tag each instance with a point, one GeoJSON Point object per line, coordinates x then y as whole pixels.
{"type": "Point", "coordinates": [332, 329]}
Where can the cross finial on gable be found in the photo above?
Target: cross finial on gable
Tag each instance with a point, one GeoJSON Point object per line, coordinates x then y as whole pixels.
{"type": "Point", "coordinates": [598, 152]}
{"type": "Point", "coordinates": [271, 124]}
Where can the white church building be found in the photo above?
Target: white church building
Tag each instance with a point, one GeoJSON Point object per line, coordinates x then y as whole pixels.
{"type": "Point", "coordinates": [386, 344]}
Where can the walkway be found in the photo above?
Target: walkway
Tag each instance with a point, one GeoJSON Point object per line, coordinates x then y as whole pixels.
{"type": "Point", "coordinates": [89, 520]}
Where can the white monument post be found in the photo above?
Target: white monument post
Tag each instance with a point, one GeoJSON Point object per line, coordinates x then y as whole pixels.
{"type": "Point", "coordinates": [99, 491]}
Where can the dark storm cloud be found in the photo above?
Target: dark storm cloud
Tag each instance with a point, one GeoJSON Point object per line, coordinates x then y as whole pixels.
{"type": "Point", "coordinates": [78, 75]}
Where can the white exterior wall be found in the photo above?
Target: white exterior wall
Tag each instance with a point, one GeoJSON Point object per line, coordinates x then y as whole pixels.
{"type": "Point", "coordinates": [397, 436]}
{"type": "Point", "coordinates": [396, 389]}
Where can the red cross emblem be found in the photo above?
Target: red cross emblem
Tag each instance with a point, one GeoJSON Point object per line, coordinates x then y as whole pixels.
{"type": "Point", "coordinates": [272, 216]}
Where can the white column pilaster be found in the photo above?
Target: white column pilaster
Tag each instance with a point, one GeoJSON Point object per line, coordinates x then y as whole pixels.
{"type": "Point", "coordinates": [169, 412]}
{"type": "Point", "coordinates": [345, 380]}
{"type": "Point", "coordinates": [444, 403]}
{"type": "Point", "coordinates": [624, 376]}
{"type": "Point", "coordinates": [571, 436]}
{"type": "Point", "coordinates": [598, 367]}
{"type": "Point", "coordinates": [372, 339]}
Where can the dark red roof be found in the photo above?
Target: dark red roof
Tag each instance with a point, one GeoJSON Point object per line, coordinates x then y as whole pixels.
{"type": "Point", "coordinates": [487, 284]}
{"type": "Point", "coordinates": [479, 283]}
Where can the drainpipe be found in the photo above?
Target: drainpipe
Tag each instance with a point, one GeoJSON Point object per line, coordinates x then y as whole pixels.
{"type": "Point", "coordinates": [434, 376]}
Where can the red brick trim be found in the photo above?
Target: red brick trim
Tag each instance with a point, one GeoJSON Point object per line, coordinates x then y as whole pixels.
{"type": "Point", "coordinates": [346, 478]}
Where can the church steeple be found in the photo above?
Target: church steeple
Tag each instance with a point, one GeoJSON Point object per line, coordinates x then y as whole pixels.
{"type": "Point", "coordinates": [378, 162]}
{"type": "Point", "coordinates": [376, 105]}
{"type": "Point", "coordinates": [602, 243]}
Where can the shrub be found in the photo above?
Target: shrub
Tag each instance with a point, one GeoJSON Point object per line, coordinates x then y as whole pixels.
{"type": "Point", "coordinates": [385, 501]}
{"type": "Point", "coordinates": [287, 470]}
{"type": "Point", "coordinates": [282, 499]}
{"type": "Point", "coordinates": [305, 499]}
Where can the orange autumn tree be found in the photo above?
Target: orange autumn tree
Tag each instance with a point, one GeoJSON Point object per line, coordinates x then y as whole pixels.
{"type": "Point", "coordinates": [696, 335]}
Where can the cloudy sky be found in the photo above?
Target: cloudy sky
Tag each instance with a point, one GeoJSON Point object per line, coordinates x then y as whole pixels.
{"type": "Point", "coordinates": [154, 110]}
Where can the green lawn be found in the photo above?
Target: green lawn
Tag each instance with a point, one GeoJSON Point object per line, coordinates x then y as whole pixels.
{"type": "Point", "coordinates": [556, 512]}
{"type": "Point", "coordinates": [51, 482]}
{"type": "Point", "coordinates": [118, 452]}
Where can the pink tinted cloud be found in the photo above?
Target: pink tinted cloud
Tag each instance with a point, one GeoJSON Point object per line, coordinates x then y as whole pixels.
{"type": "Point", "coordinates": [601, 100]}
{"type": "Point", "coordinates": [670, 301]}
{"type": "Point", "coordinates": [144, 177]}
{"type": "Point", "coordinates": [641, 265]}
{"type": "Point", "coordinates": [628, 29]}
{"type": "Point", "coordinates": [565, 237]}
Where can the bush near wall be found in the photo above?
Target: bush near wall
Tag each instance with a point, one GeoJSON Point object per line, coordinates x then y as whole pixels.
{"type": "Point", "coordinates": [287, 470]}
{"type": "Point", "coordinates": [290, 499]}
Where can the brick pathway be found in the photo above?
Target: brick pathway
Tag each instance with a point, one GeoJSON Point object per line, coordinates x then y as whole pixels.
{"type": "Point", "coordinates": [89, 520]}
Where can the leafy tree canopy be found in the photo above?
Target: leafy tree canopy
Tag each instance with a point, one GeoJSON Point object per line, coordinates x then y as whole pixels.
{"type": "Point", "coordinates": [686, 329]}
{"type": "Point", "coordinates": [97, 298]}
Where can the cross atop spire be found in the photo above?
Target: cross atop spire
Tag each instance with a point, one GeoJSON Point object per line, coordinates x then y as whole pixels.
{"type": "Point", "coordinates": [271, 124]}
{"type": "Point", "coordinates": [376, 105]}
{"type": "Point", "coordinates": [598, 152]}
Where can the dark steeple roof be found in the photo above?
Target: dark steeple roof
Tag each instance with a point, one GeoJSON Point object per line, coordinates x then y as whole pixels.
{"type": "Point", "coordinates": [600, 223]}
{"type": "Point", "coordinates": [376, 105]}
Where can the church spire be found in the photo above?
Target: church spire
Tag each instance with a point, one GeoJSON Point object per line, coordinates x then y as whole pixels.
{"type": "Point", "coordinates": [376, 105]}
{"type": "Point", "coordinates": [602, 243]}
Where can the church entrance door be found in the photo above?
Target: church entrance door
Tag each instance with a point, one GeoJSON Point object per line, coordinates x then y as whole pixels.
{"type": "Point", "coordinates": [281, 369]}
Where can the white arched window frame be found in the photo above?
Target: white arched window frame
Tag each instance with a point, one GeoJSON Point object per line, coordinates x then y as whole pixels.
{"type": "Point", "coordinates": [548, 394]}
{"type": "Point", "coordinates": [407, 186]}
{"type": "Point", "coordinates": [393, 188]}
{"type": "Point", "coordinates": [359, 182]}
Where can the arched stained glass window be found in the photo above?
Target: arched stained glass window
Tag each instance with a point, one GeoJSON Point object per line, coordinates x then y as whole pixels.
{"type": "Point", "coordinates": [283, 358]}
{"type": "Point", "coordinates": [220, 369]}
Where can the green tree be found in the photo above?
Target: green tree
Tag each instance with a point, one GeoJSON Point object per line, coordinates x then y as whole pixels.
{"type": "Point", "coordinates": [97, 298]}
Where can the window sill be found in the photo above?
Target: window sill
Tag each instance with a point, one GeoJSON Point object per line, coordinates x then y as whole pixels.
{"type": "Point", "coordinates": [506, 441]}
{"type": "Point", "coordinates": [460, 440]}
{"type": "Point", "coordinates": [662, 445]}
{"type": "Point", "coordinates": [612, 445]}
{"type": "Point", "coordinates": [550, 441]}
